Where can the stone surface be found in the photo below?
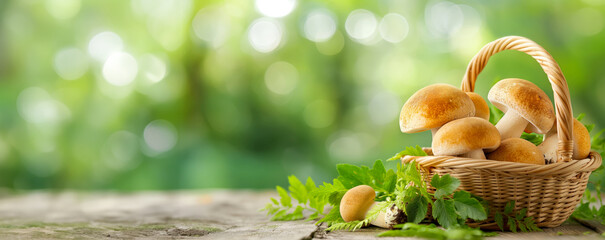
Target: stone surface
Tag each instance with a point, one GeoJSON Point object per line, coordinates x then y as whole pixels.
{"type": "Point", "coordinates": [215, 214]}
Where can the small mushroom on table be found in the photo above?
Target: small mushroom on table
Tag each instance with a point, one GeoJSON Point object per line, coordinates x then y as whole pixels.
{"type": "Point", "coordinates": [517, 150]}
{"type": "Point", "coordinates": [432, 106]}
{"type": "Point", "coordinates": [358, 201]}
{"type": "Point", "coordinates": [523, 103]}
{"type": "Point", "coordinates": [481, 108]}
{"type": "Point", "coordinates": [581, 143]}
{"type": "Point", "coordinates": [466, 137]}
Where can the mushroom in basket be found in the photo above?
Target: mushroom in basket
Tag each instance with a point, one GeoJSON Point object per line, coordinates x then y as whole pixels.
{"type": "Point", "coordinates": [523, 103]}
{"type": "Point", "coordinates": [581, 143]}
{"type": "Point", "coordinates": [432, 106]}
{"type": "Point", "coordinates": [466, 137]}
{"type": "Point", "coordinates": [517, 150]}
{"type": "Point", "coordinates": [481, 108]}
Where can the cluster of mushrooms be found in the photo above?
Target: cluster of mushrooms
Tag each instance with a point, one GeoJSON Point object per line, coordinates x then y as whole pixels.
{"type": "Point", "coordinates": [459, 122]}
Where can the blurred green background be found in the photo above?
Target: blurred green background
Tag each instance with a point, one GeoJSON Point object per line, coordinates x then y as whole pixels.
{"type": "Point", "coordinates": [150, 94]}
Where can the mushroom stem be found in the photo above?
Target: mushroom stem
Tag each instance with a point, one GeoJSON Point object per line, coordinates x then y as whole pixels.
{"type": "Point", "coordinates": [476, 154]}
{"type": "Point", "coordinates": [433, 132]}
{"type": "Point", "coordinates": [380, 220]}
{"type": "Point", "coordinates": [511, 125]}
{"type": "Point", "coordinates": [549, 147]}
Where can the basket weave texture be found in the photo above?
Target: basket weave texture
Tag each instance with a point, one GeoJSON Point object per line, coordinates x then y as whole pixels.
{"type": "Point", "coordinates": [549, 192]}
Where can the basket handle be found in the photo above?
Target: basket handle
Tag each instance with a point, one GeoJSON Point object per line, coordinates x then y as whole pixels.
{"type": "Point", "coordinates": [555, 77]}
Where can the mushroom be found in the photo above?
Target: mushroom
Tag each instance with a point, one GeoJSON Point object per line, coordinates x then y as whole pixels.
{"type": "Point", "coordinates": [433, 106]}
{"type": "Point", "coordinates": [522, 102]}
{"type": "Point", "coordinates": [466, 137]}
{"type": "Point", "coordinates": [517, 150]}
{"type": "Point", "coordinates": [481, 108]}
{"type": "Point", "coordinates": [356, 203]}
{"type": "Point", "coordinates": [581, 143]}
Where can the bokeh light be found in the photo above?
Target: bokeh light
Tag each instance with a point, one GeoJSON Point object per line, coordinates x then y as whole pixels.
{"type": "Point", "coordinates": [275, 8]}
{"type": "Point", "coordinates": [443, 19]}
{"type": "Point", "coordinates": [63, 9]}
{"type": "Point", "coordinates": [393, 28]}
{"type": "Point", "coordinates": [281, 77]}
{"type": "Point", "coordinates": [160, 136]}
{"type": "Point", "coordinates": [35, 105]}
{"type": "Point", "coordinates": [102, 45]}
{"type": "Point", "coordinates": [70, 63]}
{"type": "Point", "coordinates": [120, 69]}
{"type": "Point", "coordinates": [319, 25]}
{"type": "Point", "coordinates": [153, 69]}
{"type": "Point", "coordinates": [265, 35]}
{"type": "Point", "coordinates": [211, 25]}
{"type": "Point", "coordinates": [361, 26]}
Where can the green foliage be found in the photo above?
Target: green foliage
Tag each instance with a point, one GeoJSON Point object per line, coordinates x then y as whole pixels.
{"type": "Point", "coordinates": [409, 151]}
{"type": "Point", "coordinates": [315, 198]}
{"type": "Point", "coordinates": [591, 207]}
{"type": "Point", "coordinates": [404, 188]}
{"type": "Point", "coordinates": [308, 197]}
{"type": "Point", "coordinates": [433, 232]}
{"type": "Point", "coordinates": [468, 206]}
{"type": "Point", "coordinates": [494, 114]}
{"type": "Point", "coordinates": [445, 213]}
{"type": "Point", "coordinates": [534, 138]}
{"type": "Point", "coordinates": [378, 177]}
{"type": "Point", "coordinates": [516, 221]}
{"type": "Point", "coordinates": [445, 185]}
{"type": "Point", "coordinates": [416, 209]}
{"type": "Point", "coordinates": [450, 211]}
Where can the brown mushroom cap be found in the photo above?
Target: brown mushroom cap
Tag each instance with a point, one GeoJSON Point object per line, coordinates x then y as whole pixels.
{"type": "Point", "coordinates": [356, 202]}
{"type": "Point", "coordinates": [481, 108]}
{"type": "Point", "coordinates": [433, 106]}
{"type": "Point", "coordinates": [527, 99]}
{"type": "Point", "coordinates": [581, 140]}
{"type": "Point", "coordinates": [464, 135]}
{"type": "Point", "coordinates": [517, 150]}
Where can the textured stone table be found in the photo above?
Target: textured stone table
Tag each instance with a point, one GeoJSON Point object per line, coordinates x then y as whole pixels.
{"type": "Point", "coordinates": [215, 214]}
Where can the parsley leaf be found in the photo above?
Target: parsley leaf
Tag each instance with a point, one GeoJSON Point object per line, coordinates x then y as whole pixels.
{"type": "Point", "coordinates": [445, 185]}
{"type": "Point", "coordinates": [416, 209]}
{"type": "Point", "coordinates": [468, 207]}
{"type": "Point", "coordinates": [445, 212]}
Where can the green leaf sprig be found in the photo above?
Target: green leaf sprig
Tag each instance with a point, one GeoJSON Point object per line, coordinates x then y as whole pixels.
{"type": "Point", "coordinates": [409, 151]}
{"type": "Point", "coordinates": [453, 210]}
{"type": "Point", "coordinates": [405, 188]}
{"type": "Point", "coordinates": [308, 196]}
{"type": "Point", "coordinates": [515, 220]}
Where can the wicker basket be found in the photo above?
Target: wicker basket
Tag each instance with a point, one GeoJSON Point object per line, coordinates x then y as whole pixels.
{"type": "Point", "coordinates": [549, 192]}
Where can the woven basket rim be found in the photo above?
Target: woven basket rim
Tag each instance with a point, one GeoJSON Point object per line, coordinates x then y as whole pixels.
{"type": "Point", "coordinates": [560, 168]}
